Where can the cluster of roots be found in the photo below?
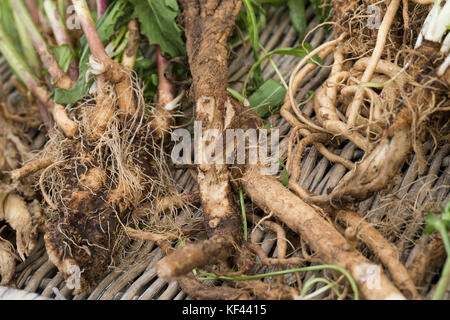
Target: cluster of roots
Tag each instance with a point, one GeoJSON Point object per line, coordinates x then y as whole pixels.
{"type": "Point", "coordinates": [386, 99]}
{"type": "Point", "coordinates": [91, 182]}
{"type": "Point", "coordinates": [383, 96]}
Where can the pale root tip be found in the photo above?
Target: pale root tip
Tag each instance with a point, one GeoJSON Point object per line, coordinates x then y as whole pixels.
{"type": "Point", "coordinates": [163, 269]}
{"type": "Point", "coordinates": [68, 126]}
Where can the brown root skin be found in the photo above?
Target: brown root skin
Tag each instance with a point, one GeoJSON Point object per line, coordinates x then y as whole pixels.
{"type": "Point", "coordinates": [182, 261]}
{"type": "Point", "coordinates": [162, 118]}
{"type": "Point", "coordinates": [429, 253]}
{"type": "Point", "coordinates": [208, 26]}
{"type": "Point", "coordinates": [387, 252]}
{"type": "Point", "coordinates": [68, 126]}
{"type": "Point", "coordinates": [379, 167]}
{"type": "Point", "coordinates": [31, 167]}
{"type": "Point", "coordinates": [268, 193]}
{"type": "Point", "coordinates": [102, 116]}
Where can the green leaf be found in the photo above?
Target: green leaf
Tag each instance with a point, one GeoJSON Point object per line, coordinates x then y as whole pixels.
{"type": "Point", "coordinates": [298, 17]}
{"type": "Point", "coordinates": [433, 223]}
{"type": "Point", "coordinates": [157, 18]}
{"type": "Point", "coordinates": [106, 28]}
{"type": "Point", "coordinates": [285, 175]}
{"type": "Point", "coordinates": [142, 62]}
{"type": "Point", "coordinates": [446, 214]}
{"type": "Point", "coordinates": [267, 97]}
{"type": "Point", "coordinates": [63, 55]}
{"type": "Point", "coordinates": [299, 51]}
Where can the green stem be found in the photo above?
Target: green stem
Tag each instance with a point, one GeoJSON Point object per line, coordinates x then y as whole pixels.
{"type": "Point", "coordinates": [14, 58]}
{"type": "Point", "coordinates": [238, 97]}
{"type": "Point", "coordinates": [274, 66]}
{"type": "Point", "coordinates": [445, 239]}
{"type": "Point", "coordinates": [27, 46]}
{"type": "Point", "coordinates": [244, 213]}
{"type": "Point", "coordinates": [442, 285]}
{"type": "Point", "coordinates": [443, 282]}
{"type": "Point", "coordinates": [253, 27]}
{"type": "Point", "coordinates": [254, 39]}
{"type": "Point", "coordinates": [213, 276]}
{"type": "Point", "coordinates": [329, 285]}
{"type": "Point", "coordinates": [62, 8]}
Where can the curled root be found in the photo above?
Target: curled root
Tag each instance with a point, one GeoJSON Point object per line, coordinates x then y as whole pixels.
{"type": "Point", "coordinates": [274, 261]}
{"type": "Point", "coordinates": [382, 108]}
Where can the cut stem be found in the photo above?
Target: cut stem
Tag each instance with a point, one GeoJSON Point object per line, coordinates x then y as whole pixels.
{"type": "Point", "coordinates": [129, 56]}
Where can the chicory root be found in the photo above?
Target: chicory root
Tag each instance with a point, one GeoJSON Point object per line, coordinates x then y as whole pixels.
{"type": "Point", "coordinates": [383, 249]}
{"type": "Point", "coordinates": [207, 53]}
{"type": "Point", "coordinates": [108, 170]}
{"type": "Point", "coordinates": [268, 193]}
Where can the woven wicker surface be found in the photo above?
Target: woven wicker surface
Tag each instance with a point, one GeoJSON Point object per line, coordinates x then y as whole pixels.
{"type": "Point", "coordinates": [136, 277]}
